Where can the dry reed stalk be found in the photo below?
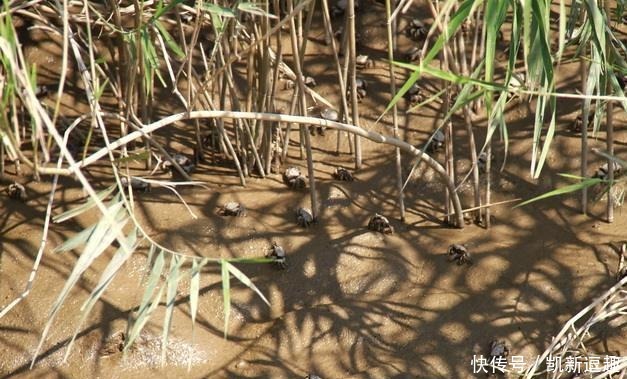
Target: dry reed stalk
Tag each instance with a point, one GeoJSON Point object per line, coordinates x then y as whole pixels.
{"type": "Point", "coordinates": [283, 119]}
{"type": "Point", "coordinates": [350, 16]}
{"type": "Point", "coordinates": [303, 107]}
{"type": "Point", "coordinates": [397, 151]}
{"type": "Point", "coordinates": [341, 78]}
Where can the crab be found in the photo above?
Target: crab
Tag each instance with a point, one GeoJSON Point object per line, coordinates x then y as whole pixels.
{"type": "Point", "coordinates": [327, 114]}
{"type": "Point", "coordinates": [437, 142]}
{"type": "Point", "coordinates": [233, 208]}
{"type": "Point", "coordinates": [416, 29]}
{"type": "Point", "coordinates": [114, 344]}
{"type": "Point", "coordinates": [343, 175]}
{"type": "Point", "coordinates": [499, 348]}
{"type": "Point", "coordinates": [482, 161]}
{"type": "Point", "coordinates": [577, 125]}
{"type": "Point", "coordinates": [136, 184]}
{"type": "Point", "coordinates": [362, 61]}
{"type": "Point", "coordinates": [413, 94]}
{"type": "Point", "coordinates": [459, 253]}
{"type": "Point", "coordinates": [340, 7]}
{"type": "Point", "coordinates": [304, 217]}
{"type": "Point", "coordinates": [293, 178]}
{"type": "Point", "coordinates": [307, 81]}
{"type": "Point", "coordinates": [183, 160]}
{"type": "Point", "coordinates": [603, 171]}
{"type": "Point", "coordinates": [312, 376]}
{"type": "Point", "coordinates": [413, 54]}
{"type": "Point", "coordinates": [361, 88]}
{"type": "Point", "coordinates": [277, 253]}
{"type": "Point", "coordinates": [16, 191]}
{"type": "Point", "coordinates": [380, 224]}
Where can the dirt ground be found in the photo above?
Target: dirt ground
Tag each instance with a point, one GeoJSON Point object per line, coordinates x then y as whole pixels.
{"type": "Point", "coordinates": [352, 303]}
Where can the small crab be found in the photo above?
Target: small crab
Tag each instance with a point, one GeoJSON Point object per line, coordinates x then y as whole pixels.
{"type": "Point", "coordinates": [361, 88]}
{"type": "Point", "coordinates": [362, 61]}
{"type": "Point", "coordinates": [603, 171]}
{"type": "Point", "coordinates": [182, 160]}
{"type": "Point", "coordinates": [499, 348]}
{"type": "Point", "coordinates": [277, 253]}
{"type": "Point", "coordinates": [340, 7]}
{"type": "Point", "coordinates": [459, 253]}
{"type": "Point", "coordinates": [413, 94]}
{"type": "Point", "coordinates": [380, 224]}
{"type": "Point", "coordinates": [16, 191]}
{"type": "Point", "coordinates": [114, 344]}
{"type": "Point", "coordinates": [343, 175]}
{"type": "Point", "coordinates": [482, 160]}
{"type": "Point", "coordinates": [293, 178]}
{"type": "Point", "coordinates": [416, 29]}
{"type": "Point", "coordinates": [577, 125]}
{"type": "Point", "coordinates": [413, 54]}
{"type": "Point", "coordinates": [312, 376]}
{"type": "Point", "coordinates": [304, 217]}
{"type": "Point", "coordinates": [327, 114]}
{"type": "Point", "coordinates": [136, 184]}
{"type": "Point", "coordinates": [437, 143]}
{"type": "Point", "coordinates": [233, 208]}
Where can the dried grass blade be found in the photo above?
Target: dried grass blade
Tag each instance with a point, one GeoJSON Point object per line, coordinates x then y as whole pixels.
{"type": "Point", "coordinates": [246, 280]}
{"type": "Point", "coordinates": [172, 284]}
{"type": "Point", "coordinates": [147, 306]}
{"type": "Point", "coordinates": [85, 207]}
{"type": "Point", "coordinates": [121, 255]}
{"type": "Point", "coordinates": [226, 294]}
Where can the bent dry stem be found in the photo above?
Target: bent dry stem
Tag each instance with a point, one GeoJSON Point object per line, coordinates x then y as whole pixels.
{"type": "Point", "coordinates": [284, 119]}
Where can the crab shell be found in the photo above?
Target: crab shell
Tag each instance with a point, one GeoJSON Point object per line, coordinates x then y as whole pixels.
{"type": "Point", "coordinates": [416, 29]}
{"type": "Point", "coordinates": [182, 160]}
{"type": "Point", "coordinates": [278, 254]}
{"type": "Point", "coordinates": [291, 172]}
{"type": "Point", "coordinates": [233, 208]}
{"type": "Point", "coordinates": [330, 114]}
{"type": "Point", "coordinates": [380, 224]}
{"type": "Point", "coordinates": [304, 217]}
{"type": "Point", "coordinates": [499, 349]}
{"type": "Point", "coordinates": [343, 174]}
{"type": "Point", "coordinates": [17, 191]}
{"type": "Point", "coordinates": [364, 61]}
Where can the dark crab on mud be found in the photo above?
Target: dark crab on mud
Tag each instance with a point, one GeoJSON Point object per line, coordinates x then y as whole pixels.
{"type": "Point", "coordinates": [343, 175]}
{"type": "Point", "coordinates": [136, 184]}
{"type": "Point", "coordinates": [16, 191]}
{"type": "Point", "coordinates": [459, 254]}
{"type": "Point", "coordinates": [437, 143]}
{"type": "Point", "coordinates": [182, 160]}
{"type": "Point", "coordinates": [293, 178]}
{"type": "Point", "coordinates": [304, 217]}
{"type": "Point", "coordinates": [362, 61]}
{"type": "Point", "coordinates": [380, 224]}
{"type": "Point", "coordinates": [499, 348]}
{"type": "Point", "coordinates": [277, 253]}
{"type": "Point", "coordinates": [413, 94]}
{"type": "Point", "coordinates": [361, 89]}
{"type": "Point", "coordinates": [233, 208]}
{"type": "Point", "coordinates": [603, 171]}
{"type": "Point", "coordinates": [329, 114]}
{"type": "Point", "coordinates": [416, 30]}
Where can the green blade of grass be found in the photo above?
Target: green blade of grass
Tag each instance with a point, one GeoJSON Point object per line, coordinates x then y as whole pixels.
{"type": "Point", "coordinates": [564, 190]}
